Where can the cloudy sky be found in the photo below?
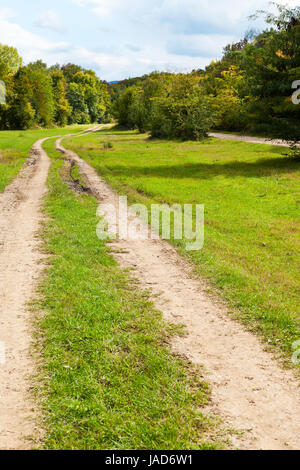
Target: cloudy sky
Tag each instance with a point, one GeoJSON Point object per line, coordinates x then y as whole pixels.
{"type": "Point", "coordinates": [126, 38]}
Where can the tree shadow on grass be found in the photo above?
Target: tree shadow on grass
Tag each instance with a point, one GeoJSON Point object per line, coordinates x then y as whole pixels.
{"type": "Point", "coordinates": [258, 169]}
{"type": "Point", "coordinates": [118, 130]}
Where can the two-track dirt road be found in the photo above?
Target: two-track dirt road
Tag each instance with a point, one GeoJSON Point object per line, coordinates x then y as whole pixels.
{"type": "Point", "coordinates": [250, 391]}
{"type": "Point", "coordinates": [20, 268]}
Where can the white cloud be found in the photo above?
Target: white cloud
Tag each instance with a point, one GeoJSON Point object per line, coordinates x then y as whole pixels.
{"type": "Point", "coordinates": [206, 16]}
{"type": "Point", "coordinates": [104, 4]}
{"type": "Point", "coordinates": [31, 46]}
{"type": "Point", "coordinates": [121, 9]}
{"type": "Point", "coordinates": [50, 20]}
{"type": "Point", "coordinates": [122, 38]}
{"type": "Point", "coordinates": [99, 59]}
{"type": "Point", "coordinates": [178, 34]}
{"type": "Point", "coordinates": [6, 13]}
{"type": "Point", "coordinates": [104, 8]}
{"type": "Point", "coordinates": [182, 15]}
{"type": "Point", "coordinates": [201, 45]}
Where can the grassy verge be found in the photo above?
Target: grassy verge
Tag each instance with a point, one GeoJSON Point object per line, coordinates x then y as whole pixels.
{"type": "Point", "coordinates": [252, 218]}
{"type": "Point", "coordinates": [111, 381]}
{"type": "Point", "coordinates": [15, 147]}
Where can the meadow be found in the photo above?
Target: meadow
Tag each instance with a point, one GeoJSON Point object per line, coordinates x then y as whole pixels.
{"type": "Point", "coordinates": [108, 379]}
{"type": "Point", "coordinates": [251, 194]}
{"type": "Point", "coordinates": [15, 147]}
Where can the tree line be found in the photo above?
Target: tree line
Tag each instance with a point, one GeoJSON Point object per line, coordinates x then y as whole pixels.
{"type": "Point", "coordinates": [37, 95]}
{"type": "Point", "coordinates": [248, 90]}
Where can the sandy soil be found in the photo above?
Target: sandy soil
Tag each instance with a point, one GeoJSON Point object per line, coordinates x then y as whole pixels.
{"type": "Point", "coordinates": [249, 389]}
{"type": "Point", "coordinates": [20, 267]}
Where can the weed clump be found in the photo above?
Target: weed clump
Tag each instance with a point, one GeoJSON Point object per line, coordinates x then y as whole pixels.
{"type": "Point", "coordinates": [108, 145]}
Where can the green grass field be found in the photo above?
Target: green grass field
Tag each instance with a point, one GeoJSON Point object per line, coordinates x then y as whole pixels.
{"type": "Point", "coordinates": [109, 380]}
{"type": "Point", "coordinates": [15, 147]}
{"type": "Point", "coordinates": [251, 194]}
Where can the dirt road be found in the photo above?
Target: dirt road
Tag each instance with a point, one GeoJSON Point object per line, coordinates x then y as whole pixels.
{"type": "Point", "coordinates": [252, 140]}
{"type": "Point", "coordinates": [249, 389]}
{"type": "Point", "coordinates": [20, 268]}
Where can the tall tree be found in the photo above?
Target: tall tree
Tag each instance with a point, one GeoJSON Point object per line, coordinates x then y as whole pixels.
{"type": "Point", "coordinates": [41, 93]}
{"type": "Point", "coordinates": [10, 61]}
{"type": "Point", "coordinates": [62, 108]}
{"type": "Point", "coordinates": [272, 62]}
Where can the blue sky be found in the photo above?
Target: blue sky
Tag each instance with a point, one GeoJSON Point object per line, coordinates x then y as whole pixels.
{"type": "Point", "coordinates": [126, 38]}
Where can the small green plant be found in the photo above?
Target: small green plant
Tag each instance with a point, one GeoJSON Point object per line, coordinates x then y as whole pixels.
{"type": "Point", "coordinates": [108, 146]}
{"type": "Point", "coordinates": [295, 152]}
